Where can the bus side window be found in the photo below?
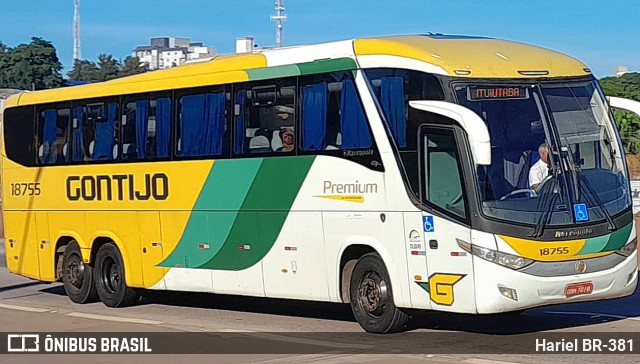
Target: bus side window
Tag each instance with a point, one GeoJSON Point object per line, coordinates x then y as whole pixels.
{"type": "Point", "coordinates": [129, 118]}
{"type": "Point", "coordinates": [104, 144]}
{"type": "Point", "coordinates": [440, 153]}
{"type": "Point", "coordinates": [146, 127]}
{"type": "Point", "coordinates": [53, 127]}
{"type": "Point", "coordinates": [332, 114]}
{"type": "Point", "coordinates": [265, 118]}
{"type": "Point", "coordinates": [202, 124]}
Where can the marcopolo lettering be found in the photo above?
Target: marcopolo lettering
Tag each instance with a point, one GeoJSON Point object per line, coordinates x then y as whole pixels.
{"type": "Point", "coordinates": [118, 187]}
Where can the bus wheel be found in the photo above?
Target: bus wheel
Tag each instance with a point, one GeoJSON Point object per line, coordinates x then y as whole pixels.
{"type": "Point", "coordinates": [109, 278]}
{"type": "Point", "coordinates": [372, 297]}
{"type": "Point", "coordinates": [77, 276]}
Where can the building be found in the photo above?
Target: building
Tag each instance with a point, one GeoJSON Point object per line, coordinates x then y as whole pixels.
{"type": "Point", "coordinates": [620, 70]}
{"type": "Point", "coordinates": [166, 52]}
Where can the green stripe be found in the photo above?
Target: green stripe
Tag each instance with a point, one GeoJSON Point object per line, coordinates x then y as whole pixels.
{"type": "Point", "coordinates": [330, 65]}
{"type": "Point", "coordinates": [214, 213]}
{"type": "Point", "coordinates": [307, 68]}
{"type": "Point", "coordinates": [273, 72]}
{"type": "Point", "coordinates": [594, 245]}
{"type": "Point", "coordinates": [618, 239]}
{"type": "Point", "coordinates": [606, 243]}
{"type": "Point", "coordinates": [263, 214]}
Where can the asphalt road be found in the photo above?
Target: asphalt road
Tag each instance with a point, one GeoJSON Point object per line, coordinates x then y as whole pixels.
{"type": "Point", "coordinates": [321, 332]}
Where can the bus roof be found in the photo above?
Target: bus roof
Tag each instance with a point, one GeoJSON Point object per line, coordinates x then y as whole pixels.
{"type": "Point", "coordinates": [459, 56]}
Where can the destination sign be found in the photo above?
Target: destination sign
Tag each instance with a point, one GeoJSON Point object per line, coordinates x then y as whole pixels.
{"type": "Point", "coordinates": [479, 93]}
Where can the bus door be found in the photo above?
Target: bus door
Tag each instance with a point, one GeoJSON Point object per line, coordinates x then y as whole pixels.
{"type": "Point", "coordinates": [450, 281]}
{"type": "Point", "coordinates": [451, 141]}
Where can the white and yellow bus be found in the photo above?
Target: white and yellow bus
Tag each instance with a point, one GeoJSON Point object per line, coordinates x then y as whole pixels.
{"type": "Point", "coordinates": [388, 173]}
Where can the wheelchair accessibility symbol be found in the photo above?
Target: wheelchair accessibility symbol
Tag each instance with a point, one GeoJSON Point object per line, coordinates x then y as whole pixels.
{"type": "Point", "coordinates": [427, 222]}
{"type": "Point", "coordinates": [580, 211]}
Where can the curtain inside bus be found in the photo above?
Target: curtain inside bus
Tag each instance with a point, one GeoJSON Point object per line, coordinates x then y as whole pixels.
{"type": "Point", "coordinates": [76, 149]}
{"type": "Point", "coordinates": [214, 124]}
{"type": "Point", "coordinates": [163, 126]}
{"type": "Point", "coordinates": [103, 145]}
{"type": "Point", "coordinates": [142, 125]}
{"type": "Point", "coordinates": [355, 132]}
{"type": "Point", "coordinates": [393, 105]}
{"type": "Point", "coordinates": [49, 136]}
{"type": "Point", "coordinates": [314, 116]}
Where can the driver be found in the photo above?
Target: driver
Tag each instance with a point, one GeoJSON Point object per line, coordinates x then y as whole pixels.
{"type": "Point", "coordinates": [540, 169]}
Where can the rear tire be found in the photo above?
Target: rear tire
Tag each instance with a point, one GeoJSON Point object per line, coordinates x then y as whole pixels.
{"type": "Point", "coordinates": [372, 297]}
{"type": "Point", "coordinates": [109, 278]}
{"type": "Point", "coordinates": [77, 276]}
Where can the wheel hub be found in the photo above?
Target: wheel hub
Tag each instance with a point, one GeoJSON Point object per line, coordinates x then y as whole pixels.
{"type": "Point", "coordinates": [372, 294]}
{"type": "Point", "coordinates": [75, 271]}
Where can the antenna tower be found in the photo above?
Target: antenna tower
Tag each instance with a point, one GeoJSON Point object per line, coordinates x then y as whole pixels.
{"type": "Point", "coordinates": [279, 18]}
{"type": "Point", "coordinates": [76, 31]}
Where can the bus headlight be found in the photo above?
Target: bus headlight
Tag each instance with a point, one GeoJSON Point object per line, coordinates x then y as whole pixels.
{"type": "Point", "coordinates": [494, 256]}
{"type": "Point", "coordinates": [629, 248]}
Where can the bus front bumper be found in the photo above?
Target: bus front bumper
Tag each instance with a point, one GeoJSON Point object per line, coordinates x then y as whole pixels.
{"type": "Point", "coordinates": [500, 289]}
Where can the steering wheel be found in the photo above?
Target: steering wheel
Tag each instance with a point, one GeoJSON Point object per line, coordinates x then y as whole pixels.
{"type": "Point", "coordinates": [540, 185]}
{"type": "Point", "coordinates": [533, 193]}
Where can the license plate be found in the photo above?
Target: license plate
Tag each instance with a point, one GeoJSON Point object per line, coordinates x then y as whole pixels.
{"type": "Point", "coordinates": [576, 289]}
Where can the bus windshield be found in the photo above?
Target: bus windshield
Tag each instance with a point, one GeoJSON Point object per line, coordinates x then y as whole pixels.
{"type": "Point", "coordinates": [581, 177]}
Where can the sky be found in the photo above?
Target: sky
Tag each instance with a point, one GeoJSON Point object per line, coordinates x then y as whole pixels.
{"type": "Point", "coordinates": [602, 34]}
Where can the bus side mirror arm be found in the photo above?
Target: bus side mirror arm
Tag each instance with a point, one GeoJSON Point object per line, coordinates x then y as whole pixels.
{"type": "Point", "coordinates": [472, 124]}
{"type": "Point", "coordinates": [624, 104]}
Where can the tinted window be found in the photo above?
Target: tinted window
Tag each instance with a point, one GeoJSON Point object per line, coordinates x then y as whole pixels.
{"type": "Point", "coordinates": [19, 134]}
{"type": "Point", "coordinates": [53, 135]}
{"type": "Point", "coordinates": [332, 114]}
{"type": "Point", "coordinates": [442, 185]}
{"type": "Point", "coordinates": [146, 126]}
{"type": "Point", "coordinates": [265, 118]}
{"type": "Point", "coordinates": [394, 89]}
{"type": "Point", "coordinates": [202, 124]}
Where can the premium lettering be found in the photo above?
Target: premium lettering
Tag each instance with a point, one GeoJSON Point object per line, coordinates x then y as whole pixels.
{"type": "Point", "coordinates": [350, 188]}
{"type": "Point", "coordinates": [120, 187]}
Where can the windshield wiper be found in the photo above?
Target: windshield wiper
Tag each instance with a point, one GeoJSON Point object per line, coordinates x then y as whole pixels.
{"type": "Point", "coordinates": [593, 196]}
{"type": "Point", "coordinates": [548, 206]}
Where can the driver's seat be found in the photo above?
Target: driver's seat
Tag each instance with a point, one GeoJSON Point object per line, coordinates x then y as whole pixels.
{"type": "Point", "coordinates": [531, 157]}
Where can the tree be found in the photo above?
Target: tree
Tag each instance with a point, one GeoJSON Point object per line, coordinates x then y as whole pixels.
{"type": "Point", "coordinates": [30, 66]}
{"type": "Point", "coordinates": [108, 67]}
{"type": "Point", "coordinates": [132, 66]}
{"type": "Point", "coordinates": [83, 70]}
{"type": "Point", "coordinates": [627, 86]}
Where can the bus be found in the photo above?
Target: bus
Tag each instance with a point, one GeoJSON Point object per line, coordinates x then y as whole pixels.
{"type": "Point", "coordinates": [389, 173]}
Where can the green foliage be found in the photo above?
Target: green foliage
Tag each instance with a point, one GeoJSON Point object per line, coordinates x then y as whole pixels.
{"type": "Point", "coordinates": [627, 86]}
{"type": "Point", "coordinates": [132, 66]}
{"type": "Point", "coordinates": [30, 66]}
{"type": "Point", "coordinates": [106, 69]}
{"type": "Point", "coordinates": [83, 70]}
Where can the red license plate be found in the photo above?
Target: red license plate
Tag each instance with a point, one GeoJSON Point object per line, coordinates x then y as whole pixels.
{"type": "Point", "coordinates": [576, 289]}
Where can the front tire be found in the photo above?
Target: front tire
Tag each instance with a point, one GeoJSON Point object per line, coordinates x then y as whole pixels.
{"type": "Point", "coordinates": [77, 276]}
{"type": "Point", "coordinates": [109, 278]}
{"type": "Point", "coordinates": [371, 297]}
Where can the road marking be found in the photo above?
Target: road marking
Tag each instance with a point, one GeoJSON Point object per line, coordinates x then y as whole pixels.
{"type": "Point", "coordinates": [114, 318]}
{"type": "Point", "coordinates": [593, 314]}
{"type": "Point", "coordinates": [23, 308]}
{"type": "Point", "coordinates": [487, 361]}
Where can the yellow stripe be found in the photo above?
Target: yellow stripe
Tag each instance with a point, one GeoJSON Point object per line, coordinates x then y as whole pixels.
{"type": "Point", "coordinates": [221, 70]}
{"type": "Point", "coordinates": [549, 251]}
{"type": "Point", "coordinates": [486, 58]}
{"type": "Point", "coordinates": [347, 198]}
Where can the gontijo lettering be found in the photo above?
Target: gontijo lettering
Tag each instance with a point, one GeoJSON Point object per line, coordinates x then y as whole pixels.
{"type": "Point", "coordinates": [118, 187]}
